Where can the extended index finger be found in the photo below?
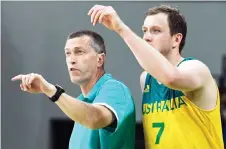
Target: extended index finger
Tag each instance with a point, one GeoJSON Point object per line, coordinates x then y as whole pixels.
{"type": "Point", "coordinates": [18, 77]}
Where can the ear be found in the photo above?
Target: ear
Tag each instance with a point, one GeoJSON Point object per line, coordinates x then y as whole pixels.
{"type": "Point", "coordinates": [177, 39]}
{"type": "Point", "coordinates": [100, 59]}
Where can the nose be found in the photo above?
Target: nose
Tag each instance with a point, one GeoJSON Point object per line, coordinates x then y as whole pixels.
{"type": "Point", "coordinates": [71, 60]}
{"type": "Point", "coordinates": [147, 37]}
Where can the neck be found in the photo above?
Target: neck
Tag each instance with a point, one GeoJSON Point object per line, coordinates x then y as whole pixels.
{"type": "Point", "coordinates": [174, 58]}
{"type": "Point", "coordinates": [86, 87]}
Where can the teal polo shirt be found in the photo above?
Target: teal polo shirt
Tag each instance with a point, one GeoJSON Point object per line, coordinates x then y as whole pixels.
{"type": "Point", "coordinates": [115, 96]}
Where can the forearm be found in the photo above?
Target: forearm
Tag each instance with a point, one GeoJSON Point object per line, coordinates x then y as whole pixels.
{"type": "Point", "coordinates": [81, 112]}
{"type": "Point", "coordinates": [148, 57]}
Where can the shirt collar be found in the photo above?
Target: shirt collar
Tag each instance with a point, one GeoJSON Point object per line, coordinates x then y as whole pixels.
{"type": "Point", "coordinates": [92, 94]}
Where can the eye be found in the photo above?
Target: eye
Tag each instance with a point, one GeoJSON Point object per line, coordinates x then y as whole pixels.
{"type": "Point", "coordinates": [79, 52]}
{"type": "Point", "coordinates": [67, 53]}
{"type": "Point", "coordinates": [155, 31]}
{"type": "Point", "coordinates": [144, 30]}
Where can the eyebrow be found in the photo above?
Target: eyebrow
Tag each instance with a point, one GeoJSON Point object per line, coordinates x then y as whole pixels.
{"type": "Point", "coordinates": [155, 26]}
{"type": "Point", "coordinates": [74, 48]}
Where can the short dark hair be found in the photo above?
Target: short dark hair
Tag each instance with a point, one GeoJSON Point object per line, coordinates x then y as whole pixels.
{"type": "Point", "coordinates": [176, 20]}
{"type": "Point", "coordinates": [97, 42]}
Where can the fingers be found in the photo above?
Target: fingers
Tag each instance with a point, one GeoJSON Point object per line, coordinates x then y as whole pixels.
{"type": "Point", "coordinates": [21, 87]}
{"type": "Point", "coordinates": [31, 79]}
{"type": "Point", "coordinates": [91, 10]}
{"type": "Point", "coordinates": [23, 79]}
{"type": "Point", "coordinates": [101, 17]}
{"type": "Point", "coordinates": [18, 77]}
{"type": "Point", "coordinates": [94, 17]}
{"type": "Point", "coordinates": [106, 11]}
{"type": "Point", "coordinates": [26, 80]}
{"type": "Point", "coordinates": [95, 12]}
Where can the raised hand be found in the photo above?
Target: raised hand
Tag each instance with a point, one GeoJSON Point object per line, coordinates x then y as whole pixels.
{"type": "Point", "coordinates": [105, 15]}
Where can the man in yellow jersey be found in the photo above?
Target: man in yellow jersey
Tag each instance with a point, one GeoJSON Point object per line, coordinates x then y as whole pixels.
{"type": "Point", "coordinates": [181, 106]}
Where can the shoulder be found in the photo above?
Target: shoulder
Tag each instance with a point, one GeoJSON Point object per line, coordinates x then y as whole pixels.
{"type": "Point", "coordinates": [115, 90]}
{"type": "Point", "coordinates": [193, 63]}
{"type": "Point", "coordinates": [113, 84]}
{"type": "Point", "coordinates": [204, 96]}
{"type": "Point", "coordinates": [199, 70]}
{"type": "Point", "coordinates": [196, 67]}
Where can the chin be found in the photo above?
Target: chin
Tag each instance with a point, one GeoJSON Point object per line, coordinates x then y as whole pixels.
{"type": "Point", "coordinates": [74, 82]}
{"type": "Point", "coordinates": [77, 80]}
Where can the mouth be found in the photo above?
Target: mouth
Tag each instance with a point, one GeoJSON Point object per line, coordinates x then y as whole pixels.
{"type": "Point", "coordinates": [149, 42]}
{"type": "Point", "coordinates": [73, 69]}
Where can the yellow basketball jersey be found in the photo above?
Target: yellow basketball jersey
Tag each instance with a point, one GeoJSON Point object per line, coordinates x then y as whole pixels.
{"type": "Point", "coordinates": [172, 121]}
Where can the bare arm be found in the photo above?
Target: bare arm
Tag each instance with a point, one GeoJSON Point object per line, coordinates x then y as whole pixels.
{"type": "Point", "coordinates": [92, 116]}
{"type": "Point", "coordinates": [89, 115]}
{"type": "Point", "coordinates": [187, 77]}
{"type": "Point", "coordinates": [191, 75]}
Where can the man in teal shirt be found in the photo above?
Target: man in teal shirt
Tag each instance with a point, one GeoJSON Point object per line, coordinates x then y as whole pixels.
{"type": "Point", "coordinates": [116, 97]}
{"type": "Point", "coordinates": [104, 113]}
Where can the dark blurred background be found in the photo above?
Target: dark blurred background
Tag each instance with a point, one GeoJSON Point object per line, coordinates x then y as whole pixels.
{"type": "Point", "coordinates": [33, 36]}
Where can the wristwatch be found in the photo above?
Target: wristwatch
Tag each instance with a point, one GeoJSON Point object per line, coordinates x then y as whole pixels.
{"type": "Point", "coordinates": [58, 93]}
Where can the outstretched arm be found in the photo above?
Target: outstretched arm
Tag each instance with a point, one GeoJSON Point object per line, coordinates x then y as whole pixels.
{"type": "Point", "coordinates": [89, 115]}
{"type": "Point", "coordinates": [191, 75]}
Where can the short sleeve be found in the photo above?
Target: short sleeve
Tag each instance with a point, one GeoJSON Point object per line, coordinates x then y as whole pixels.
{"type": "Point", "coordinates": [116, 96]}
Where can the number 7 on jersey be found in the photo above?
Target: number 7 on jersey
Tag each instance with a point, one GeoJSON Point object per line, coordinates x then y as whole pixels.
{"type": "Point", "coordinates": [159, 134]}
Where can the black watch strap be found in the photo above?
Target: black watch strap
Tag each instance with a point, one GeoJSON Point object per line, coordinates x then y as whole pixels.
{"type": "Point", "coordinates": [58, 93]}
